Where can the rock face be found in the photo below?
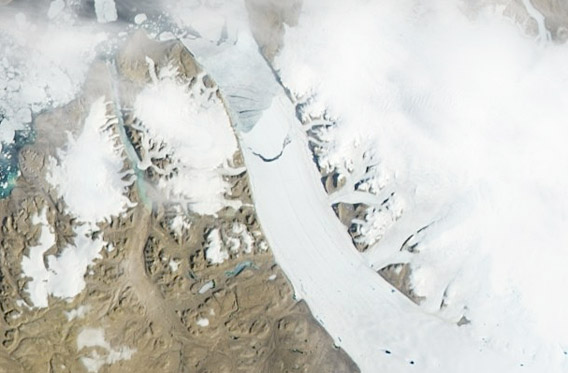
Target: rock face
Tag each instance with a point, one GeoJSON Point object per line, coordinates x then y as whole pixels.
{"type": "Point", "coordinates": [152, 298]}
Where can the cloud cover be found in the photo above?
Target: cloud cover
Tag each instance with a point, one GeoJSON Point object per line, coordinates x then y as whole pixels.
{"type": "Point", "coordinates": [467, 115]}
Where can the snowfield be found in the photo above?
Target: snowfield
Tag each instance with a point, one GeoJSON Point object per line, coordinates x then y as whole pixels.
{"type": "Point", "coordinates": [90, 173]}
{"type": "Point", "coordinates": [60, 276]}
{"type": "Point", "coordinates": [93, 341]}
{"type": "Point", "coordinates": [463, 117]}
{"type": "Point", "coordinates": [375, 324]}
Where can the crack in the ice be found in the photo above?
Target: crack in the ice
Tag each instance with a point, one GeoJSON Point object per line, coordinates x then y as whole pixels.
{"type": "Point", "coordinates": [284, 145]}
{"type": "Point", "coordinates": [246, 111]}
{"type": "Point", "coordinates": [241, 97]}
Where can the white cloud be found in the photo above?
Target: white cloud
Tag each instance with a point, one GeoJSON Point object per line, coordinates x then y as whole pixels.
{"type": "Point", "coordinates": [192, 125]}
{"type": "Point", "coordinates": [468, 116]}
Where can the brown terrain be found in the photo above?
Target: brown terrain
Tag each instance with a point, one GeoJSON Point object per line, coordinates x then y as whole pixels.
{"type": "Point", "coordinates": [160, 305]}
